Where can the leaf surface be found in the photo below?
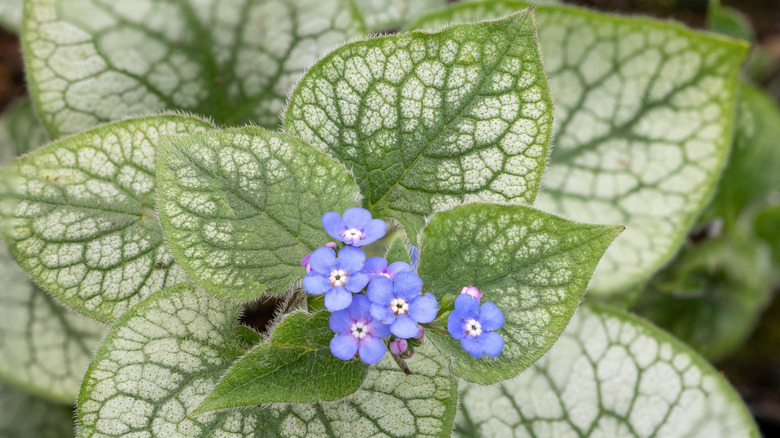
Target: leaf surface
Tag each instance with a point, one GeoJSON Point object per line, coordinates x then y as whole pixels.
{"type": "Point", "coordinates": [534, 266]}
{"type": "Point", "coordinates": [611, 374]}
{"type": "Point", "coordinates": [165, 355]}
{"type": "Point", "coordinates": [85, 225]}
{"type": "Point", "coordinates": [241, 207]}
{"type": "Point", "coordinates": [428, 120]}
{"type": "Point", "coordinates": [94, 61]}
{"type": "Point", "coordinates": [294, 366]}
{"type": "Point", "coordinates": [644, 112]}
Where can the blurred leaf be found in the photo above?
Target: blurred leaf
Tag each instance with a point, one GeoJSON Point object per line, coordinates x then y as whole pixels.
{"type": "Point", "coordinates": [712, 294]}
{"type": "Point", "coordinates": [729, 21]}
{"type": "Point", "coordinates": [25, 416]}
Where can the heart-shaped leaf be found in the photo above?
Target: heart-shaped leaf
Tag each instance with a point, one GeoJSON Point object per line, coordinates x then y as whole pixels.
{"type": "Point", "coordinates": [611, 374]}
{"type": "Point", "coordinates": [644, 111]}
{"type": "Point", "coordinates": [534, 266]}
{"type": "Point", "coordinates": [90, 62]}
{"type": "Point", "coordinates": [428, 120]}
{"type": "Point", "coordinates": [85, 225]}
{"type": "Point", "coordinates": [241, 207]}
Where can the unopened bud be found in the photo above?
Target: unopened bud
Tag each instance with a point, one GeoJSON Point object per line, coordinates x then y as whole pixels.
{"type": "Point", "coordinates": [471, 290]}
{"type": "Point", "coordinates": [398, 346]}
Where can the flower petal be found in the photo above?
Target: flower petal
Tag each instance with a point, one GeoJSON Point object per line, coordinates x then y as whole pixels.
{"type": "Point", "coordinates": [337, 298]}
{"type": "Point", "coordinates": [490, 317]}
{"type": "Point", "coordinates": [455, 324]}
{"type": "Point", "coordinates": [380, 330]}
{"type": "Point", "coordinates": [340, 322]}
{"type": "Point", "coordinates": [375, 265]}
{"type": "Point", "coordinates": [407, 285]}
{"type": "Point", "coordinates": [492, 343]}
{"type": "Point", "coordinates": [356, 217]}
{"type": "Point", "coordinates": [404, 327]}
{"type": "Point", "coordinates": [373, 231]}
{"type": "Point", "coordinates": [380, 291]}
{"type": "Point", "coordinates": [467, 305]}
{"type": "Point", "coordinates": [344, 346]}
{"type": "Point", "coordinates": [423, 309]}
{"type": "Point", "coordinates": [315, 283]}
{"type": "Point", "coordinates": [382, 313]}
{"type": "Point", "coordinates": [356, 281]}
{"type": "Point", "coordinates": [397, 267]}
{"type": "Point", "coordinates": [472, 346]}
{"type": "Point", "coordinates": [359, 310]}
{"type": "Point", "coordinates": [333, 225]}
{"type": "Point", "coordinates": [323, 260]}
{"type": "Point", "coordinates": [372, 350]}
{"type": "Point", "coordinates": [351, 259]}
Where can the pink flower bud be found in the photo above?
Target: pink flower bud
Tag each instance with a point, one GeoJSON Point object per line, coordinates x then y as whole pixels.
{"type": "Point", "coordinates": [331, 245]}
{"type": "Point", "coordinates": [305, 262]}
{"type": "Point", "coordinates": [420, 334]}
{"type": "Point", "coordinates": [471, 290]}
{"type": "Point", "coordinates": [398, 346]}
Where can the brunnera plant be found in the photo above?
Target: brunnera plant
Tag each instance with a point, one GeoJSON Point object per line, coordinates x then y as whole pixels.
{"type": "Point", "coordinates": [396, 218]}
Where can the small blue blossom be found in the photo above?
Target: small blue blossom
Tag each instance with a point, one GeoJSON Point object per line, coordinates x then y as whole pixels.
{"type": "Point", "coordinates": [376, 266]}
{"type": "Point", "coordinates": [336, 277]}
{"type": "Point", "coordinates": [398, 303]}
{"type": "Point", "coordinates": [358, 333]}
{"type": "Point", "coordinates": [355, 228]}
{"type": "Point", "coordinates": [473, 325]}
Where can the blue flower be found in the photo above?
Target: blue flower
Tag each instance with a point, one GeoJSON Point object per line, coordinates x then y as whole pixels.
{"type": "Point", "coordinates": [376, 266]}
{"type": "Point", "coordinates": [356, 228]}
{"type": "Point", "coordinates": [336, 277]}
{"type": "Point", "coordinates": [398, 302]}
{"type": "Point", "coordinates": [474, 324]}
{"type": "Point", "coordinates": [358, 333]}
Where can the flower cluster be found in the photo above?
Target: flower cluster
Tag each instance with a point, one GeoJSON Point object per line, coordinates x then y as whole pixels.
{"type": "Point", "coordinates": [377, 306]}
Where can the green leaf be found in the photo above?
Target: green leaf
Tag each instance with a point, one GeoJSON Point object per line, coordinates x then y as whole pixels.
{"type": "Point", "coordinates": [428, 120]}
{"type": "Point", "coordinates": [44, 348]}
{"type": "Point", "coordinates": [729, 21]}
{"type": "Point", "coordinates": [90, 62]}
{"type": "Point", "coordinates": [11, 14]}
{"type": "Point", "coordinates": [643, 124]}
{"type": "Point", "coordinates": [241, 207]}
{"type": "Point", "coordinates": [398, 250]}
{"type": "Point", "coordinates": [85, 226]}
{"type": "Point", "coordinates": [765, 224]}
{"type": "Point", "coordinates": [294, 366]}
{"type": "Point", "coordinates": [751, 173]}
{"type": "Point", "coordinates": [533, 265]}
{"type": "Point", "coordinates": [611, 374]}
{"type": "Point", "coordinates": [20, 129]}
{"type": "Point", "coordinates": [384, 15]}
{"type": "Point", "coordinates": [165, 355]}
{"type": "Point", "coordinates": [24, 415]}
{"type": "Point", "coordinates": [712, 294]}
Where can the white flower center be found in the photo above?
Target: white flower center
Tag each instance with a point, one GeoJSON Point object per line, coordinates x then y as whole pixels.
{"type": "Point", "coordinates": [473, 328]}
{"type": "Point", "coordinates": [399, 306]}
{"type": "Point", "coordinates": [338, 277]}
{"type": "Point", "coordinates": [359, 330]}
{"type": "Point", "coordinates": [353, 235]}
